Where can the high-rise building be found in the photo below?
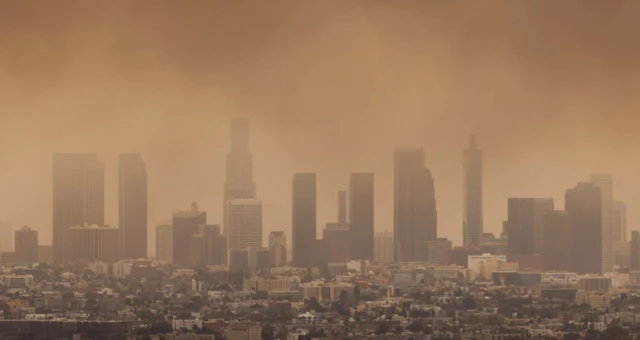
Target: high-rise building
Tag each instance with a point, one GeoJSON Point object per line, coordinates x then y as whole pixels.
{"type": "Point", "coordinates": [558, 242]}
{"type": "Point", "coordinates": [278, 248]}
{"type": "Point", "coordinates": [619, 221]}
{"type": "Point", "coordinates": [338, 242]}
{"type": "Point", "coordinates": [78, 198]}
{"type": "Point", "coordinates": [605, 183]}
{"type": "Point", "coordinates": [634, 251]}
{"type": "Point", "coordinates": [239, 183]}
{"type": "Point", "coordinates": [438, 251]}
{"type": "Point", "coordinates": [185, 224]}
{"type": "Point", "coordinates": [6, 237]}
{"type": "Point", "coordinates": [239, 258]}
{"type": "Point", "coordinates": [45, 254]}
{"type": "Point", "coordinates": [361, 215]}
{"type": "Point", "coordinates": [26, 245]}
{"type": "Point", "coordinates": [215, 245]}
{"type": "Point", "coordinates": [525, 225]}
{"type": "Point", "coordinates": [584, 205]}
{"type": "Point", "coordinates": [342, 206]}
{"type": "Point", "coordinates": [415, 215]}
{"type": "Point", "coordinates": [472, 225]}
{"type": "Point", "coordinates": [383, 247]}
{"type": "Point", "coordinates": [244, 223]}
{"type": "Point", "coordinates": [303, 226]}
{"type": "Point", "coordinates": [164, 243]}
{"type": "Point", "coordinates": [621, 254]}
{"type": "Point", "coordinates": [92, 243]}
{"type": "Point", "coordinates": [132, 206]}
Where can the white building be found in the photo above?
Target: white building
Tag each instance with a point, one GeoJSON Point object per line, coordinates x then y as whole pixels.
{"type": "Point", "coordinates": [164, 243]}
{"type": "Point", "coordinates": [244, 331]}
{"type": "Point", "coordinates": [383, 247]}
{"type": "Point", "coordinates": [473, 261]}
{"type": "Point", "coordinates": [244, 223]}
{"type": "Point", "coordinates": [605, 183]}
{"type": "Point", "coordinates": [186, 324]}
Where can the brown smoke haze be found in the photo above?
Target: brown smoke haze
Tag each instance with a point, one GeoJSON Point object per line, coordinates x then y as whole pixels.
{"type": "Point", "coordinates": [551, 88]}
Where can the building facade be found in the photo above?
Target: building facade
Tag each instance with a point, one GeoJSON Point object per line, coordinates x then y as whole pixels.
{"type": "Point", "coordinates": [26, 245]}
{"type": "Point", "coordinates": [164, 243]}
{"type": "Point", "coordinates": [361, 221]}
{"type": "Point", "coordinates": [78, 198]}
{"type": "Point", "coordinates": [132, 206]}
{"type": "Point", "coordinates": [91, 243]}
{"type": "Point", "coordinates": [472, 225]}
{"type": "Point", "coordinates": [438, 251]}
{"type": "Point", "coordinates": [303, 235]}
{"type": "Point", "coordinates": [244, 219]}
{"type": "Point", "coordinates": [584, 205]}
{"type": "Point", "coordinates": [383, 247]}
{"type": "Point", "coordinates": [525, 225]}
{"type": "Point", "coordinates": [278, 248]}
{"type": "Point", "coordinates": [185, 225]}
{"type": "Point", "coordinates": [605, 183]}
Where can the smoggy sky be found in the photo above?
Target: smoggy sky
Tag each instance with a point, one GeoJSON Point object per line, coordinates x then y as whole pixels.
{"type": "Point", "coordinates": [551, 88]}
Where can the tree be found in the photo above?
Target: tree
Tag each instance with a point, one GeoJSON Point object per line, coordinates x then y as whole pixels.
{"type": "Point", "coordinates": [267, 332]}
{"type": "Point", "coordinates": [469, 303]}
{"type": "Point", "coordinates": [383, 328]}
{"type": "Point", "coordinates": [415, 327]}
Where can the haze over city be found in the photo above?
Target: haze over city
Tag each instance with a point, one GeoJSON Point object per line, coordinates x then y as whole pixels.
{"type": "Point", "coordinates": [331, 87]}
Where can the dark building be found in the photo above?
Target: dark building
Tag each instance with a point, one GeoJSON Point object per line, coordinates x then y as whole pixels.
{"type": "Point", "coordinates": [26, 247]}
{"type": "Point", "coordinates": [459, 256]}
{"type": "Point", "coordinates": [185, 225]}
{"type": "Point", "coordinates": [239, 259]}
{"type": "Point", "coordinates": [342, 207]}
{"type": "Point", "coordinates": [415, 214]}
{"type": "Point", "coordinates": [303, 235]}
{"type": "Point", "coordinates": [78, 198]}
{"type": "Point", "coordinates": [263, 258]}
{"type": "Point", "coordinates": [472, 225]}
{"type": "Point", "coordinates": [239, 183]}
{"type": "Point", "coordinates": [133, 206]}
{"type": "Point", "coordinates": [584, 206]}
{"type": "Point", "coordinates": [215, 245]}
{"type": "Point", "coordinates": [558, 242]}
{"type": "Point", "coordinates": [337, 239]}
{"type": "Point", "coordinates": [634, 251]}
{"type": "Point", "coordinates": [525, 224]}
{"type": "Point", "coordinates": [361, 215]}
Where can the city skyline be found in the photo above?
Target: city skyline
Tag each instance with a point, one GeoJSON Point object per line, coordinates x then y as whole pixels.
{"type": "Point", "coordinates": [174, 112]}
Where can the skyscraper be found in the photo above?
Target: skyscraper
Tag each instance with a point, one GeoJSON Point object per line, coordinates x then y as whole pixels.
{"type": "Point", "coordinates": [361, 216]}
{"type": "Point", "coordinates": [94, 243]}
{"type": "Point", "coordinates": [239, 183]}
{"type": "Point", "coordinates": [185, 225]}
{"type": "Point", "coordinates": [383, 247]}
{"type": "Point", "coordinates": [619, 221]}
{"type": "Point", "coordinates": [78, 198]}
{"type": "Point", "coordinates": [26, 245]}
{"type": "Point", "coordinates": [634, 252]}
{"type": "Point", "coordinates": [558, 241]}
{"type": "Point", "coordinates": [605, 183]}
{"type": "Point", "coordinates": [303, 226]}
{"type": "Point", "coordinates": [415, 216]}
{"type": "Point", "coordinates": [164, 243]}
{"type": "Point", "coordinates": [132, 208]}
{"type": "Point", "coordinates": [244, 218]}
{"type": "Point", "coordinates": [525, 225]}
{"type": "Point", "coordinates": [472, 225]}
{"type": "Point", "coordinates": [338, 242]}
{"type": "Point", "coordinates": [342, 207]}
{"type": "Point", "coordinates": [584, 205]}
{"type": "Point", "coordinates": [278, 248]}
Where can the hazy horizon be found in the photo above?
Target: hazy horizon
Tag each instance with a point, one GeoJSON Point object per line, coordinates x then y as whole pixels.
{"type": "Point", "coordinates": [331, 87]}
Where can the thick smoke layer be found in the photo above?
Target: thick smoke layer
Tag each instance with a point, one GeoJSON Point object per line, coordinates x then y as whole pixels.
{"type": "Point", "coordinates": [549, 87]}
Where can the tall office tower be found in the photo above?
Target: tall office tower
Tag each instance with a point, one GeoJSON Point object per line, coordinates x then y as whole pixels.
{"type": "Point", "coordinates": [92, 243]}
{"type": "Point", "coordinates": [361, 216]}
{"type": "Point", "coordinates": [164, 243]}
{"type": "Point", "coordinates": [303, 226]}
{"type": "Point", "coordinates": [634, 251]}
{"type": "Point", "coordinates": [132, 206]}
{"type": "Point", "coordinates": [605, 183]}
{"type": "Point", "coordinates": [338, 242]}
{"type": "Point", "coordinates": [239, 259]}
{"type": "Point", "coordinates": [415, 215]}
{"type": "Point", "coordinates": [472, 225]}
{"type": "Point", "coordinates": [197, 251]}
{"type": "Point", "coordinates": [215, 245]}
{"type": "Point", "coordinates": [26, 245]}
{"type": "Point", "coordinates": [619, 221]}
{"type": "Point", "coordinates": [239, 183]}
{"type": "Point", "coordinates": [342, 207]}
{"type": "Point", "coordinates": [525, 225]}
{"type": "Point", "coordinates": [78, 198]}
{"type": "Point", "coordinates": [185, 224]}
{"type": "Point", "coordinates": [621, 254]}
{"type": "Point", "coordinates": [383, 247]}
{"type": "Point", "coordinates": [244, 223]}
{"type": "Point", "coordinates": [278, 248]}
{"type": "Point", "coordinates": [6, 237]}
{"type": "Point", "coordinates": [558, 241]}
{"type": "Point", "coordinates": [439, 251]}
{"type": "Point", "coordinates": [584, 205]}
{"type": "Point", "coordinates": [45, 254]}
